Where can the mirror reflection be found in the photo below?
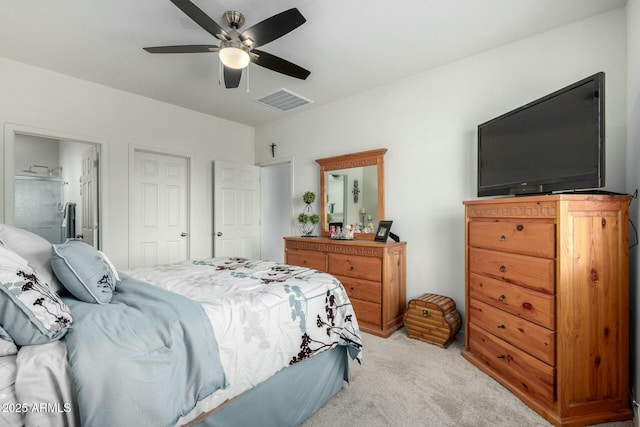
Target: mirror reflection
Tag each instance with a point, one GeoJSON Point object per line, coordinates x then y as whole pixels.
{"type": "Point", "coordinates": [352, 197]}
{"type": "Point", "coordinates": [337, 197]}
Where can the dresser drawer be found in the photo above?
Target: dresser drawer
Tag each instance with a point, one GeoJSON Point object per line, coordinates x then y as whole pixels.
{"type": "Point", "coordinates": [534, 339]}
{"type": "Point", "coordinates": [360, 267]}
{"type": "Point", "coordinates": [311, 259]}
{"type": "Point", "coordinates": [367, 312]}
{"type": "Point", "coordinates": [530, 305]}
{"type": "Point", "coordinates": [362, 289]}
{"type": "Point", "coordinates": [528, 271]}
{"type": "Point", "coordinates": [521, 370]}
{"type": "Point", "coordinates": [536, 239]}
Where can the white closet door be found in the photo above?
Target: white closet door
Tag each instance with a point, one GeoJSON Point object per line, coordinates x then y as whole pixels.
{"type": "Point", "coordinates": [160, 224]}
{"type": "Point", "coordinates": [236, 202]}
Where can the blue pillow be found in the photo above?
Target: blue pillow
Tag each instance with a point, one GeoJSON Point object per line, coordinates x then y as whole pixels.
{"type": "Point", "coordinates": [30, 311]}
{"type": "Point", "coordinates": [84, 271]}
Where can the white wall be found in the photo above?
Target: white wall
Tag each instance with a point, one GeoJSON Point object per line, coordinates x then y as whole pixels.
{"type": "Point", "coordinates": [32, 150]}
{"type": "Point", "coordinates": [633, 172]}
{"type": "Point", "coordinates": [276, 209]}
{"type": "Point", "coordinates": [38, 98]}
{"type": "Point", "coordinates": [429, 122]}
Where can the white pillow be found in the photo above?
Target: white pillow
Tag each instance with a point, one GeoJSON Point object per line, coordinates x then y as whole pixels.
{"type": "Point", "coordinates": [30, 311]}
{"type": "Point", "coordinates": [35, 249]}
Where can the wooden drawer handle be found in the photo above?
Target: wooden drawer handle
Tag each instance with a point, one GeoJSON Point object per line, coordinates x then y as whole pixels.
{"type": "Point", "coordinates": [502, 356]}
{"type": "Point", "coordinates": [501, 297]}
{"type": "Point", "coordinates": [501, 327]}
{"type": "Point", "coordinates": [304, 262]}
{"type": "Point", "coordinates": [503, 268]}
{"type": "Point", "coordinates": [502, 238]}
{"type": "Point", "coordinates": [351, 268]}
{"type": "Point", "coordinates": [519, 227]}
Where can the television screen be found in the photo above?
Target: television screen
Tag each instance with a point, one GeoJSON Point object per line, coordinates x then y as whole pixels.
{"type": "Point", "coordinates": [555, 143]}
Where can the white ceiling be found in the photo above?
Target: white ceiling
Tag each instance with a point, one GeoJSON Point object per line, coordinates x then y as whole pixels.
{"type": "Point", "coordinates": [348, 45]}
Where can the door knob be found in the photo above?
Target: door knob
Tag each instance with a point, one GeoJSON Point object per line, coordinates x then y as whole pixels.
{"type": "Point", "coordinates": [219, 234]}
{"type": "Point", "coordinates": [183, 234]}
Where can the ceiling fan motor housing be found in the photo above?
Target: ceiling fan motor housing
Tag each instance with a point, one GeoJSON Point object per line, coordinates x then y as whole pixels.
{"type": "Point", "coordinates": [233, 19]}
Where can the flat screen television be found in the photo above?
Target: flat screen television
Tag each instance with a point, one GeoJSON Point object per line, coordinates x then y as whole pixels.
{"type": "Point", "coordinates": [553, 144]}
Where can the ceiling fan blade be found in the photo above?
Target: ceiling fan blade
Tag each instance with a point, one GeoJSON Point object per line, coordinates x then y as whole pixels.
{"type": "Point", "coordinates": [192, 48]}
{"type": "Point", "coordinates": [232, 77]}
{"type": "Point", "coordinates": [200, 18]}
{"type": "Point", "coordinates": [272, 28]}
{"type": "Point", "coordinates": [280, 65]}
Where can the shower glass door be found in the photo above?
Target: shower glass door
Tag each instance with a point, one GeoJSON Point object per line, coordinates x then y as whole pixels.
{"type": "Point", "coordinates": [39, 206]}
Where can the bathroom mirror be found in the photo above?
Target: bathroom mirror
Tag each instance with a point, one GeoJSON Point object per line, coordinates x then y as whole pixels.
{"type": "Point", "coordinates": [362, 176]}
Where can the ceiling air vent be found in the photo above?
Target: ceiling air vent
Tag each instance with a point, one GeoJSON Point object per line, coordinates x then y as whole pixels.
{"type": "Point", "coordinates": [284, 100]}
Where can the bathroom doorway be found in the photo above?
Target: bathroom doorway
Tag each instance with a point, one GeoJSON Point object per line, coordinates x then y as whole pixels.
{"type": "Point", "coordinates": [51, 186]}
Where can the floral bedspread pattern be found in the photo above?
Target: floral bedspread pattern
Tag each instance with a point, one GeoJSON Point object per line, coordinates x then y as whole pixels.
{"type": "Point", "coordinates": [265, 315]}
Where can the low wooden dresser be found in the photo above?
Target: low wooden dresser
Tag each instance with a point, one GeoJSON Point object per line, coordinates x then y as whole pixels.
{"type": "Point", "coordinates": [547, 302]}
{"type": "Point", "coordinates": [373, 274]}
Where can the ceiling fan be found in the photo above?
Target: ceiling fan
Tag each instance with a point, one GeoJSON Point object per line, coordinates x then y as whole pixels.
{"type": "Point", "coordinates": [237, 49]}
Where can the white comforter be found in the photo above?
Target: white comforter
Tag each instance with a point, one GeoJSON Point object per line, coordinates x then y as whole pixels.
{"type": "Point", "coordinates": [265, 316]}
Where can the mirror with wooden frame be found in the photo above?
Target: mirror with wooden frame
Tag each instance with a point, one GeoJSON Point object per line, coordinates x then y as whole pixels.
{"type": "Point", "coordinates": [362, 175]}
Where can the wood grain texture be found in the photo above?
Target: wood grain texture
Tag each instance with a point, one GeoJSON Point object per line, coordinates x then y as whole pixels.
{"type": "Point", "coordinates": [523, 237]}
{"type": "Point", "coordinates": [534, 339]}
{"type": "Point", "coordinates": [531, 272]}
{"type": "Point", "coordinates": [536, 307]}
{"type": "Point", "coordinates": [433, 318]}
{"type": "Point", "coordinates": [525, 299]}
{"type": "Point", "coordinates": [373, 274]}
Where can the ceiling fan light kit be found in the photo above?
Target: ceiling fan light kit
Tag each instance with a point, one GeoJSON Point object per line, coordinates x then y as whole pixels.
{"type": "Point", "coordinates": [238, 49]}
{"type": "Point", "coordinates": [234, 55]}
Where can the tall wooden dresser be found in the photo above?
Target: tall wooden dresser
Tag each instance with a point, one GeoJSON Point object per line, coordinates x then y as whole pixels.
{"type": "Point", "coordinates": [547, 302]}
{"type": "Point", "coordinates": [373, 274]}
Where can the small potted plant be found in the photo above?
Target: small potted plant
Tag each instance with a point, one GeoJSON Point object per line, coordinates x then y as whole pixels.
{"type": "Point", "coordinates": [307, 219]}
{"type": "Point", "coordinates": [309, 197]}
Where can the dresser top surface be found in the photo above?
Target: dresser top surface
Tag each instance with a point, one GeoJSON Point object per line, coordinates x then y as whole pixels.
{"type": "Point", "coordinates": [355, 242]}
{"type": "Point", "coordinates": [550, 198]}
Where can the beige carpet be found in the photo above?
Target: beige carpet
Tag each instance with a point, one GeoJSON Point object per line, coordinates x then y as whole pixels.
{"type": "Point", "coordinates": [406, 382]}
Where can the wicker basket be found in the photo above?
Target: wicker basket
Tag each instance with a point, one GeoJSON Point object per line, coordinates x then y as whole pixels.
{"type": "Point", "coordinates": [433, 319]}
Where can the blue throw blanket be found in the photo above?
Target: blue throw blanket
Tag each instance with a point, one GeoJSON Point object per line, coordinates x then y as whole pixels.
{"type": "Point", "coordinates": [145, 359]}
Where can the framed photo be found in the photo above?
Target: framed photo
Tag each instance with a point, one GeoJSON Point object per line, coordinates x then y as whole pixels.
{"type": "Point", "coordinates": [384, 228]}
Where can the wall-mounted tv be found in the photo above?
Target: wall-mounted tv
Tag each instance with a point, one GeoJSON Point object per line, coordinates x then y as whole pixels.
{"type": "Point", "coordinates": [555, 143]}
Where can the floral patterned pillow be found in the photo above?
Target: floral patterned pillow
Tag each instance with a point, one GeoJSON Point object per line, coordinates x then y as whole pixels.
{"type": "Point", "coordinates": [35, 249]}
{"type": "Point", "coordinates": [30, 311]}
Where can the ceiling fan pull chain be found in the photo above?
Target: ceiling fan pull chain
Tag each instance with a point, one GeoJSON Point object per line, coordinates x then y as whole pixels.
{"type": "Point", "coordinates": [219, 73]}
{"type": "Point", "coordinates": [248, 79]}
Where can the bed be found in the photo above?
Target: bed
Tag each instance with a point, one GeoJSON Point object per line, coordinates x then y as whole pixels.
{"type": "Point", "coordinates": [211, 342]}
